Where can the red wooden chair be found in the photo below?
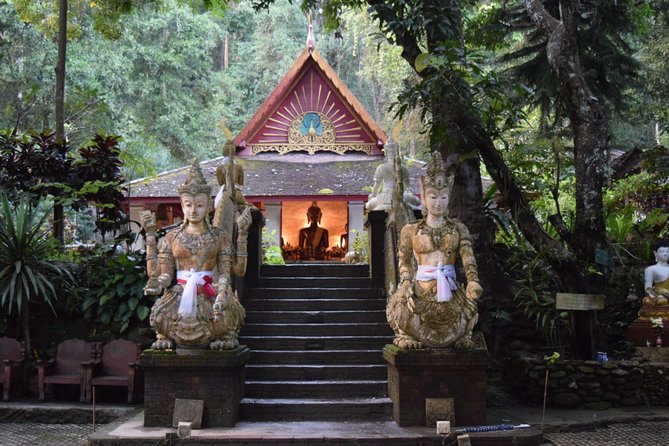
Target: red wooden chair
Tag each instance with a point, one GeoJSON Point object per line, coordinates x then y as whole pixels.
{"type": "Point", "coordinates": [12, 356]}
{"type": "Point", "coordinates": [70, 366]}
{"type": "Point", "coordinates": [115, 367]}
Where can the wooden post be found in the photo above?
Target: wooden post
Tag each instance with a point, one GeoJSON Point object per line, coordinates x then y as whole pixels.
{"type": "Point", "coordinates": [254, 249]}
{"type": "Point", "coordinates": [582, 309]}
{"type": "Point", "coordinates": [377, 258]}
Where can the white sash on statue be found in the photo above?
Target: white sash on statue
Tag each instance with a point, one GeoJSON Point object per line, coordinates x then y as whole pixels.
{"type": "Point", "coordinates": [193, 279]}
{"type": "Point", "coordinates": [445, 277]}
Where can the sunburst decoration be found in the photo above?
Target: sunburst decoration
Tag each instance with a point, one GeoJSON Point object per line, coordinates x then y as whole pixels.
{"type": "Point", "coordinates": [310, 116]}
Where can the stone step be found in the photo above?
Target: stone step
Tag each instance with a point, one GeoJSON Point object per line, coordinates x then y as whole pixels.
{"type": "Point", "coordinates": [313, 357]}
{"type": "Point", "coordinates": [316, 282]}
{"type": "Point", "coordinates": [340, 329]}
{"type": "Point", "coordinates": [312, 293]}
{"type": "Point", "coordinates": [354, 409]}
{"type": "Point", "coordinates": [316, 317]}
{"type": "Point", "coordinates": [316, 389]}
{"type": "Point", "coordinates": [302, 372]}
{"type": "Point", "coordinates": [314, 270]}
{"type": "Point", "coordinates": [314, 342]}
{"type": "Point", "coordinates": [332, 304]}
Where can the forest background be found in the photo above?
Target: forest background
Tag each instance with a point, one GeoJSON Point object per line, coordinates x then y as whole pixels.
{"type": "Point", "coordinates": [158, 76]}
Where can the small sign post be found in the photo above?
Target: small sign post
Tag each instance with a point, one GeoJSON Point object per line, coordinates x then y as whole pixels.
{"type": "Point", "coordinates": [582, 309]}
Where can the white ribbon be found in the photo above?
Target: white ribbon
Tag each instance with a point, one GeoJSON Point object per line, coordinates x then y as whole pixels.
{"type": "Point", "coordinates": [445, 277]}
{"type": "Point", "coordinates": [219, 195]}
{"type": "Point", "coordinates": [188, 304]}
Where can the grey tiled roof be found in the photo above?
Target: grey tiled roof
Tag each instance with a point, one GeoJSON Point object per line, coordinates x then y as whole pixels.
{"type": "Point", "coordinates": [269, 175]}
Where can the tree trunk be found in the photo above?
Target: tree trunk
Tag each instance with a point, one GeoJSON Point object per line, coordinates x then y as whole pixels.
{"type": "Point", "coordinates": [60, 72]}
{"type": "Point", "coordinates": [58, 225]}
{"type": "Point", "coordinates": [25, 328]}
{"type": "Point", "coordinates": [588, 122]}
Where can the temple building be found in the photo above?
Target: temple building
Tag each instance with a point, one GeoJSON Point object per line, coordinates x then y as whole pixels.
{"type": "Point", "coordinates": [310, 143]}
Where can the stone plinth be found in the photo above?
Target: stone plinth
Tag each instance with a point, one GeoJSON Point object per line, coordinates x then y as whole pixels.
{"type": "Point", "coordinates": [216, 377]}
{"type": "Point", "coordinates": [654, 354]}
{"type": "Point", "coordinates": [641, 331]}
{"type": "Point", "coordinates": [417, 375]}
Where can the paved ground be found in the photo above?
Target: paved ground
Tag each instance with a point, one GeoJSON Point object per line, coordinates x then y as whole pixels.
{"type": "Point", "coordinates": [615, 427]}
{"type": "Point", "coordinates": [41, 434]}
{"type": "Point", "coordinates": [646, 433]}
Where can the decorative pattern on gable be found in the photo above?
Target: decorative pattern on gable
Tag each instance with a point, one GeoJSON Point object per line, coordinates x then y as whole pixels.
{"type": "Point", "coordinates": [312, 117]}
{"type": "Point", "coordinates": [311, 110]}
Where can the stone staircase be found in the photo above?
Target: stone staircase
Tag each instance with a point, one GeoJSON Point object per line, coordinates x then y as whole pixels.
{"type": "Point", "coordinates": [316, 332]}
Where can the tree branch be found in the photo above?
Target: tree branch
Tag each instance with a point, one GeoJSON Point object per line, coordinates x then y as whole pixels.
{"type": "Point", "coordinates": [403, 37]}
{"type": "Point", "coordinates": [541, 17]}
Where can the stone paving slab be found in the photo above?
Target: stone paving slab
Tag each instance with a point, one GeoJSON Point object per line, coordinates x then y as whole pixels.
{"type": "Point", "coordinates": [646, 433]}
{"type": "Point", "coordinates": [383, 433]}
{"type": "Point", "coordinates": [43, 434]}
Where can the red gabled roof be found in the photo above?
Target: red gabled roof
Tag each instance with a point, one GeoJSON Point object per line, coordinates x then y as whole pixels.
{"type": "Point", "coordinates": [270, 123]}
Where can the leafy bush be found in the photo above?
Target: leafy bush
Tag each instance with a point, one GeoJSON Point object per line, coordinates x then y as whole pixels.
{"type": "Point", "coordinates": [360, 245]}
{"type": "Point", "coordinates": [112, 285]}
{"type": "Point", "coordinates": [271, 252]}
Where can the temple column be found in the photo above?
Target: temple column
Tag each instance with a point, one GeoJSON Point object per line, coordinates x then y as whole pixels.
{"type": "Point", "coordinates": [356, 220]}
{"type": "Point", "coordinates": [273, 220]}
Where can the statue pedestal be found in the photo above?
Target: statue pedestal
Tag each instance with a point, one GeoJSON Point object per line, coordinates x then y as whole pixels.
{"type": "Point", "coordinates": [216, 377]}
{"type": "Point", "coordinates": [640, 331]}
{"type": "Point", "coordinates": [415, 376]}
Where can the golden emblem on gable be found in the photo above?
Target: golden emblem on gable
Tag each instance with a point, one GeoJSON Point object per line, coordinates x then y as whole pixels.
{"type": "Point", "coordinates": [311, 128]}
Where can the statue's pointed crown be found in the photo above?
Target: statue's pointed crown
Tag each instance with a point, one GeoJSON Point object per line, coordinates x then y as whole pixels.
{"type": "Point", "coordinates": [195, 182]}
{"type": "Point", "coordinates": [228, 148]}
{"type": "Point", "coordinates": [436, 174]}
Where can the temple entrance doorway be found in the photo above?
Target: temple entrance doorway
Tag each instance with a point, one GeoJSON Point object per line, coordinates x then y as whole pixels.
{"type": "Point", "coordinates": [314, 230]}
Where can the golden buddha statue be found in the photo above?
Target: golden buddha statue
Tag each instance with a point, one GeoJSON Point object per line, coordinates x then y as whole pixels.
{"type": "Point", "coordinates": [429, 308]}
{"type": "Point", "coordinates": [191, 267]}
{"type": "Point", "coordinates": [314, 239]}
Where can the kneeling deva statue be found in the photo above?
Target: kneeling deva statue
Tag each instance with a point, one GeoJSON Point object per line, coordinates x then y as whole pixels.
{"type": "Point", "coordinates": [191, 267]}
{"type": "Point", "coordinates": [429, 308]}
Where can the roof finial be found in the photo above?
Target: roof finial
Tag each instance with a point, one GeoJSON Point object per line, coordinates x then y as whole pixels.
{"type": "Point", "coordinates": [311, 40]}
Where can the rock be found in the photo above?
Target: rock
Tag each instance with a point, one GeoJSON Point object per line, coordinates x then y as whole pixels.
{"type": "Point", "coordinates": [597, 405]}
{"type": "Point", "coordinates": [567, 400]}
{"type": "Point", "coordinates": [631, 401]}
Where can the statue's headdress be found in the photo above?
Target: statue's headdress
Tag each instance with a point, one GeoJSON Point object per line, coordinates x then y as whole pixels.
{"type": "Point", "coordinates": [437, 176]}
{"type": "Point", "coordinates": [390, 149]}
{"type": "Point", "coordinates": [228, 148]}
{"type": "Point", "coordinates": [314, 212]}
{"type": "Point", "coordinates": [195, 182]}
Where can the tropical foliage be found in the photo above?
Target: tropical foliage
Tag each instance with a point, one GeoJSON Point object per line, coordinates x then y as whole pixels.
{"type": "Point", "coordinates": [27, 270]}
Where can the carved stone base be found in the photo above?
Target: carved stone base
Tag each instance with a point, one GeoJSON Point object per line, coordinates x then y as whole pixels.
{"type": "Point", "coordinates": [216, 377]}
{"type": "Point", "coordinates": [640, 331]}
{"type": "Point", "coordinates": [419, 376]}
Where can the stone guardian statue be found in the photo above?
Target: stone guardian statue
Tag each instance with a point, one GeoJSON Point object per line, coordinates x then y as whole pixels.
{"type": "Point", "coordinates": [191, 267]}
{"type": "Point", "coordinates": [430, 308]}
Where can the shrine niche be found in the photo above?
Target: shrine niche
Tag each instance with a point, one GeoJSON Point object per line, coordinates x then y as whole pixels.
{"type": "Point", "coordinates": [314, 230]}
